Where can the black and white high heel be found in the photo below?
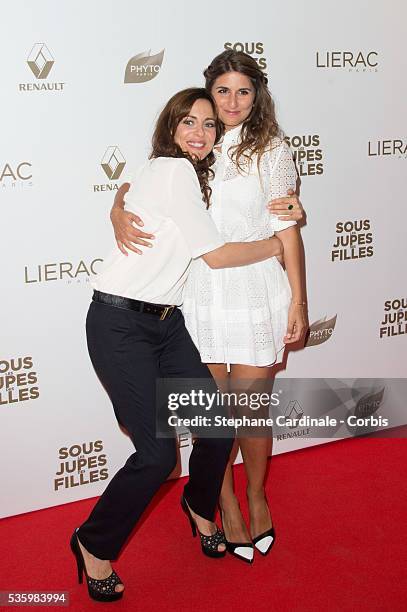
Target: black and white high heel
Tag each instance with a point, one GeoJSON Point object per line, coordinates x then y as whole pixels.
{"type": "Point", "coordinates": [209, 543]}
{"type": "Point", "coordinates": [100, 590]}
{"type": "Point", "coordinates": [264, 542]}
{"type": "Point", "coordinates": [241, 550]}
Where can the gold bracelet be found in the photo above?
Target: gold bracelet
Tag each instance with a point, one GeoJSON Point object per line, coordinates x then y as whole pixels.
{"type": "Point", "coordinates": [299, 303]}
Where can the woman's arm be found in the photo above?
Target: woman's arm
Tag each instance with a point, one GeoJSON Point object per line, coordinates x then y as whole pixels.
{"type": "Point", "coordinates": [289, 207]}
{"type": "Point", "coordinates": [292, 244]}
{"type": "Point", "coordinates": [122, 220]}
{"type": "Point", "coordinates": [235, 254]}
{"type": "Point", "coordinates": [230, 255]}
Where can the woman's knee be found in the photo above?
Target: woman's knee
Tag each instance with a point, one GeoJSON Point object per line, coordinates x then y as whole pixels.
{"type": "Point", "coordinates": [163, 459]}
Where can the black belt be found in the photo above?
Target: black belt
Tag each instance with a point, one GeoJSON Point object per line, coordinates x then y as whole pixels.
{"type": "Point", "coordinates": [160, 310]}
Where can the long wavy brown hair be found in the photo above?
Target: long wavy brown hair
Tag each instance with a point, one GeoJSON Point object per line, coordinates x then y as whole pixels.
{"type": "Point", "coordinates": [163, 145]}
{"type": "Point", "coordinates": [261, 125]}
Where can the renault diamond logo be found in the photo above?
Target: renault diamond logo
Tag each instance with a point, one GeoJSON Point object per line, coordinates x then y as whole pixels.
{"type": "Point", "coordinates": [113, 163]}
{"type": "Point", "coordinates": [40, 60]}
{"type": "Point", "coordinates": [293, 413]}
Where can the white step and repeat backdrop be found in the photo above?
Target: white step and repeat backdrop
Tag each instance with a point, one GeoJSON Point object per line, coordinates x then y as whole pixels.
{"type": "Point", "coordinates": [81, 85]}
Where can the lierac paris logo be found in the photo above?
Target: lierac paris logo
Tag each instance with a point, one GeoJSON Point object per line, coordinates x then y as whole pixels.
{"type": "Point", "coordinates": [353, 61]}
{"type": "Point", "coordinates": [321, 331]}
{"type": "Point", "coordinates": [395, 147]}
{"type": "Point", "coordinates": [143, 67]}
{"type": "Point", "coordinates": [15, 175]}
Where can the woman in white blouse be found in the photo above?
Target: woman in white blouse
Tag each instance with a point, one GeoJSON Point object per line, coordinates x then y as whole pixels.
{"type": "Point", "coordinates": [136, 336]}
{"type": "Point", "coordinates": [241, 318]}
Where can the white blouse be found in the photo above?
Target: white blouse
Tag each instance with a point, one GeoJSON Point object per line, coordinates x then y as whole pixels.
{"type": "Point", "coordinates": [239, 315]}
{"type": "Point", "coordinates": [167, 195]}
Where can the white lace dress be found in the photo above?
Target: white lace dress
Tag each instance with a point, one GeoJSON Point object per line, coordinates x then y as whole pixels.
{"type": "Point", "coordinates": [239, 315]}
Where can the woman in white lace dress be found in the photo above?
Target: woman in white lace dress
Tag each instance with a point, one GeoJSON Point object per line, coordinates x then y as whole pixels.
{"type": "Point", "coordinates": [241, 318]}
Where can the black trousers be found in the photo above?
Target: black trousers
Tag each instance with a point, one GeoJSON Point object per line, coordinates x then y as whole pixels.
{"type": "Point", "coordinates": [130, 351]}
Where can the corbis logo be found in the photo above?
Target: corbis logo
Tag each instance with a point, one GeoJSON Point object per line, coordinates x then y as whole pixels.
{"type": "Point", "coordinates": [255, 49]}
{"type": "Point", "coordinates": [354, 240]}
{"type": "Point", "coordinates": [16, 175]}
{"type": "Point", "coordinates": [68, 271]}
{"type": "Point", "coordinates": [40, 61]}
{"type": "Point", "coordinates": [18, 380]}
{"type": "Point", "coordinates": [143, 67]}
{"type": "Point", "coordinates": [353, 61]}
{"type": "Point", "coordinates": [393, 148]}
{"type": "Point", "coordinates": [395, 318]}
{"type": "Point", "coordinates": [80, 464]}
{"type": "Point", "coordinates": [113, 164]}
{"type": "Point", "coordinates": [307, 154]}
{"type": "Point", "coordinates": [321, 331]}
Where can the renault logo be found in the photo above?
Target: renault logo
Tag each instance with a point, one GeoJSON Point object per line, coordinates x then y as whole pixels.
{"type": "Point", "coordinates": [113, 163]}
{"type": "Point", "coordinates": [40, 60]}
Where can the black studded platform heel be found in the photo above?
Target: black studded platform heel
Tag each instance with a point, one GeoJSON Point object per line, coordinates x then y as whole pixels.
{"type": "Point", "coordinates": [100, 590]}
{"type": "Point", "coordinates": [209, 544]}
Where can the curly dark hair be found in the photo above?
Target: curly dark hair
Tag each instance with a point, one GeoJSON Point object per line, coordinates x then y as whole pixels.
{"type": "Point", "coordinates": [261, 125]}
{"type": "Point", "coordinates": [163, 145]}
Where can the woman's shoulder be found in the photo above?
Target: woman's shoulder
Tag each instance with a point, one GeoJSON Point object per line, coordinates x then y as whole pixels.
{"type": "Point", "coordinates": [168, 164]}
{"type": "Point", "coordinates": [278, 151]}
{"type": "Point", "coordinates": [177, 170]}
{"type": "Point", "coordinates": [277, 144]}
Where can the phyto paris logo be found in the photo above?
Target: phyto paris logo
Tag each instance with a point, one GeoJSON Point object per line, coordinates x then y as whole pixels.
{"type": "Point", "coordinates": [321, 331]}
{"type": "Point", "coordinates": [112, 163]}
{"type": "Point", "coordinates": [143, 67]}
{"type": "Point", "coordinates": [40, 61]}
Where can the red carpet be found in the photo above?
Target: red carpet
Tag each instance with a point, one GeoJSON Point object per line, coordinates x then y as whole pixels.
{"type": "Point", "coordinates": [340, 516]}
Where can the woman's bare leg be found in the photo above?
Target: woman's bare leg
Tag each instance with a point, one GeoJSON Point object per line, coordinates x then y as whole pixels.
{"type": "Point", "coordinates": [233, 523]}
{"type": "Point", "coordinates": [255, 450]}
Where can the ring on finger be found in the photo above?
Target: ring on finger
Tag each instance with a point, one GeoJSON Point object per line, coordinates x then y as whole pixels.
{"type": "Point", "coordinates": [290, 207]}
